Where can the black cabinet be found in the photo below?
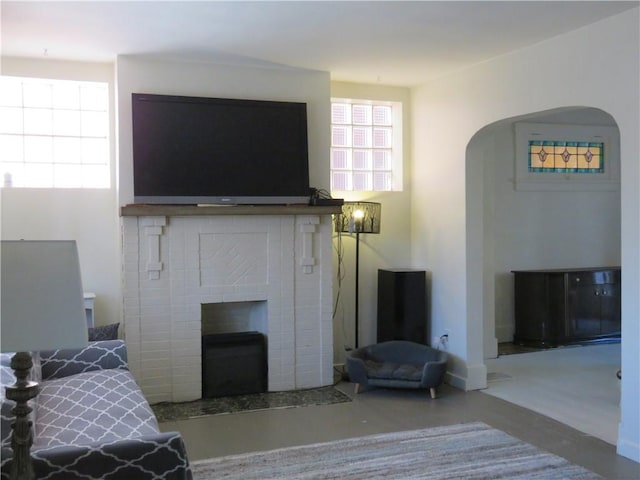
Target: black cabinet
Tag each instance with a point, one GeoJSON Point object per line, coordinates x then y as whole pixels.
{"type": "Point", "coordinates": [402, 305]}
{"type": "Point", "coordinates": [561, 307]}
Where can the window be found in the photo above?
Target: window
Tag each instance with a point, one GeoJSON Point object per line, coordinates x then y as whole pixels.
{"type": "Point", "coordinates": [566, 157]}
{"type": "Point", "coordinates": [366, 145]}
{"type": "Point", "coordinates": [54, 133]}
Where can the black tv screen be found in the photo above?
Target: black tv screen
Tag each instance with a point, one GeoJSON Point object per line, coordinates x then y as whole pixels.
{"type": "Point", "coordinates": [195, 150]}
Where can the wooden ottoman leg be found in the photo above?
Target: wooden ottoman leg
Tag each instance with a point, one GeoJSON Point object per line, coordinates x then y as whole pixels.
{"type": "Point", "coordinates": [433, 392]}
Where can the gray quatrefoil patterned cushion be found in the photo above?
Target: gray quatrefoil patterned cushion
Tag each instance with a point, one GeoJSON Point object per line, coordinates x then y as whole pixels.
{"type": "Point", "coordinates": [98, 406]}
{"type": "Point", "coordinates": [105, 332]}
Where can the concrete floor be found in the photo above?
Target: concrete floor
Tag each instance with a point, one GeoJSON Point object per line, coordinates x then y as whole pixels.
{"type": "Point", "coordinates": [386, 410]}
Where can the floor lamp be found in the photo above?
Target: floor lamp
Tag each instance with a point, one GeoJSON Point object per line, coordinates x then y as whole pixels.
{"type": "Point", "coordinates": [359, 217]}
{"type": "Point", "coordinates": [42, 309]}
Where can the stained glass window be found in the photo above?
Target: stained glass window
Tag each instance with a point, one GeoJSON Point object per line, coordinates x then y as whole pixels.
{"type": "Point", "coordinates": [566, 157]}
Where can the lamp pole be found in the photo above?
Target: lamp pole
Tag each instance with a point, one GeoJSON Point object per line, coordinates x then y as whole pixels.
{"type": "Point", "coordinates": [358, 216]}
{"type": "Point", "coordinates": [357, 280]}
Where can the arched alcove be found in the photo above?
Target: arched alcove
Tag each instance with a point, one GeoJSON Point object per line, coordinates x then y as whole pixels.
{"type": "Point", "coordinates": [539, 227]}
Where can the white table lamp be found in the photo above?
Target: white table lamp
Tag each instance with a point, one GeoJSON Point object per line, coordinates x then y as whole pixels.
{"type": "Point", "coordinates": [42, 308]}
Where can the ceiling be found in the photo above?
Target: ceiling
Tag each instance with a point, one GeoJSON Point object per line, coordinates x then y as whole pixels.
{"type": "Point", "coordinates": [392, 43]}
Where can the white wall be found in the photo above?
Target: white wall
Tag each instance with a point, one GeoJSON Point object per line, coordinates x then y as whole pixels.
{"type": "Point", "coordinates": [389, 249]}
{"type": "Point", "coordinates": [91, 217]}
{"type": "Point", "coordinates": [449, 111]}
{"type": "Point", "coordinates": [138, 75]}
{"type": "Point", "coordinates": [88, 216]}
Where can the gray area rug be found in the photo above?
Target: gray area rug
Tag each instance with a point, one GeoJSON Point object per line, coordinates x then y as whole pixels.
{"type": "Point", "coordinates": [166, 412]}
{"type": "Point", "coordinates": [469, 451]}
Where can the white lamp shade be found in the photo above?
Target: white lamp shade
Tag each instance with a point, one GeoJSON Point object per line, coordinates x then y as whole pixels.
{"type": "Point", "coordinates": [42, 305]}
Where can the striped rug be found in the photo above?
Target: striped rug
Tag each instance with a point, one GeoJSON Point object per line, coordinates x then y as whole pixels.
{"type": "Point", "coordinates": [465, 451]}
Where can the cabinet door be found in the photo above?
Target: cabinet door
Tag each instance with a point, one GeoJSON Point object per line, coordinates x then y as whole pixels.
{"type": "Point", "coordinates": [539, 308]}
{"type": "Point", "coordinates": [593, 304]}
{"type": "Point", "coordinates": [585, 315]}
{"type": "Point", "coordinates": [610, 309]}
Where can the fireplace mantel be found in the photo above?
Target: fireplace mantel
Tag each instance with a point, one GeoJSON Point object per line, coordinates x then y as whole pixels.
{"type": "Point", "coordinates": [146, 210]}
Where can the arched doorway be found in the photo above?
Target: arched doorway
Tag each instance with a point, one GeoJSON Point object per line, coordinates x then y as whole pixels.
{"type": "Point", "coordinates": [510, 228]}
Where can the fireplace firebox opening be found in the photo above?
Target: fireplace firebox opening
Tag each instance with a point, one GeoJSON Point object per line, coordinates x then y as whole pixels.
{"type": "Point", "coordinates": [233, 364]}
{"type": "Point", "coordinates": [234, 348]}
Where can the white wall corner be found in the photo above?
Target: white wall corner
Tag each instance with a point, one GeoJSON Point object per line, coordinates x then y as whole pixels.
{"type": "Point", "coordinates": [475, 379]}
{"type": "Point", "coordinates": [625, 447]}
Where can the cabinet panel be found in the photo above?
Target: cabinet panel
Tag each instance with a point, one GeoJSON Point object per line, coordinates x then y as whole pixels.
{"type": "Point", "coordinates": [540, 306]}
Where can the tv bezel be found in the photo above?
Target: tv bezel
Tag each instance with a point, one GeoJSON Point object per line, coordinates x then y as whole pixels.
{"type": "Point", "coordinates": [214, 199]}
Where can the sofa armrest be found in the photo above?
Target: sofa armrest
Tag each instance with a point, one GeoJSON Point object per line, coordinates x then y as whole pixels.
{"type": "Point", "coordinates": [160, 456]}
{"type": "Point", "coordinates": [357, 370]}
{"type": "Point", "coordinates": [101, 355]}
{"type": "Point", "coordinates": [433, 373]}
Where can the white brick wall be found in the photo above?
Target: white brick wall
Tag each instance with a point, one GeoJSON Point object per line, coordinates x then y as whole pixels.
{"type": "Point", "coordinates": [173, 265]}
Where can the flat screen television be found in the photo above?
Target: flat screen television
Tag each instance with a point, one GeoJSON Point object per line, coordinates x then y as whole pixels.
{"type": "Point", "coordinates": [195, 150]}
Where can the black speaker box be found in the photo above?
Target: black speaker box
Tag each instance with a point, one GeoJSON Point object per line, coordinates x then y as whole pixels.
{"type": "Point", "coordinates": [402, 306]}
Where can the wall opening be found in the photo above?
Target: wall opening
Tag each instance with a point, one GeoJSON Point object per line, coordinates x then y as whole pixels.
{"type": "Point", "coordinates": [234, 348]}
{"type": "Point", "coordinates": [576, 226]}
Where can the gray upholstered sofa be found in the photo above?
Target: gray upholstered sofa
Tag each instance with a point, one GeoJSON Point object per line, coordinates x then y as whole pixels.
{"type": "Point", "coordinates": [92, 421]}
{"type": "Point", "coordinates": [397, 364]}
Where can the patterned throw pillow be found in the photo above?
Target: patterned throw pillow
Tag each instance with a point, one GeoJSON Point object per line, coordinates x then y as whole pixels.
{"type": "Point", "coordinates": [106, 332]}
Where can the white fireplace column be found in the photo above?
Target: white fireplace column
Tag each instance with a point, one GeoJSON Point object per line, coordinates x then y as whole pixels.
{"type": "Point", "coordinates": [177, 258]}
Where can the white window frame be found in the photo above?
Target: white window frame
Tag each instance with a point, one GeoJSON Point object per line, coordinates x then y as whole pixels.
{"type": "Point", "coordinates": [55, 170]}
{"type": "Point", "coordinates": [396, 142]}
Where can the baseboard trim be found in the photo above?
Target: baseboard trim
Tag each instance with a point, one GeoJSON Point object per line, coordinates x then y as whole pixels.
{"type": "Point", "coordinates": [476, 378]}
{"type": "Point", "coordinates": [626, 447]}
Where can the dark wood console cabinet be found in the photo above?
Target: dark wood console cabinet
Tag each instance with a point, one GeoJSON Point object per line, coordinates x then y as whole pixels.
{"type": "Point", "coordinates": [562, 307]}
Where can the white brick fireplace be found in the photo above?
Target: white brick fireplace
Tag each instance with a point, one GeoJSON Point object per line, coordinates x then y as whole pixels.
{"type": "Point", "coordinates": [175, 259]}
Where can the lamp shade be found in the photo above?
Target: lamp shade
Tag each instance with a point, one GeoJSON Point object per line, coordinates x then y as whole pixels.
{"type": "Point", "coordinates": [359, 217]}
{"type": "Point", "coordinates": [42, 305]}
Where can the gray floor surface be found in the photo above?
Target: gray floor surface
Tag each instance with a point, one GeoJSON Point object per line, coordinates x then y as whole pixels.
{"type": "Point", "coordinates": [385, 410]}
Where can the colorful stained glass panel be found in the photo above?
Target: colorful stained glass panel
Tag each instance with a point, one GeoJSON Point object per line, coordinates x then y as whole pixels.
{"type": "Point", "coordinates": [546, 156]}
